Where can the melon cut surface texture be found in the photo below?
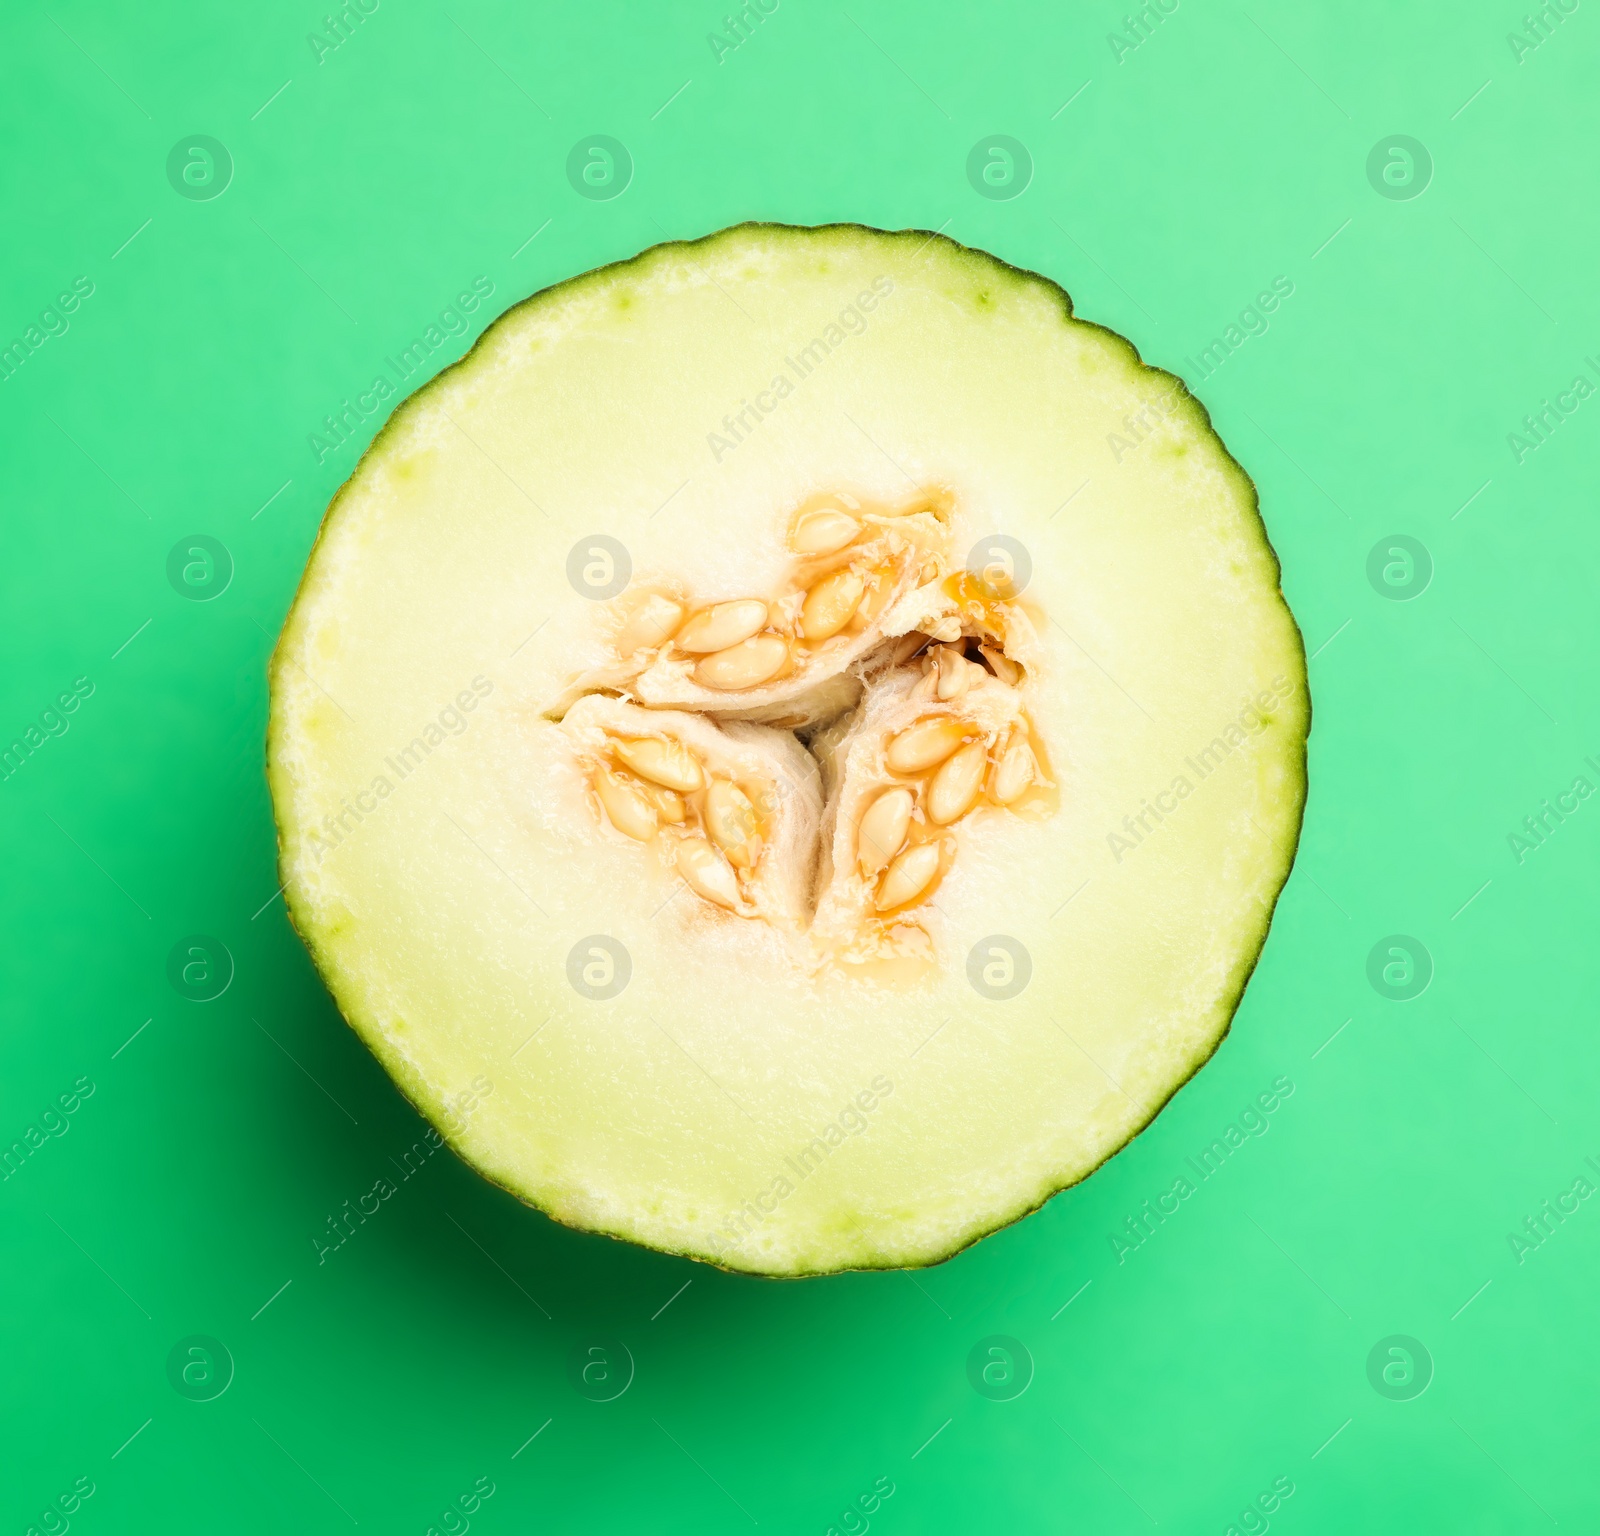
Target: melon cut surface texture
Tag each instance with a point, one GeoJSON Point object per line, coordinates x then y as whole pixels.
{"type": "Point", "coordinates": [787, 753]}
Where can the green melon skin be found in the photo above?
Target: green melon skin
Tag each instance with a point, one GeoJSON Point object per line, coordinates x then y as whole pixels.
{"type": "Point", "coordinates": [727, 1104]}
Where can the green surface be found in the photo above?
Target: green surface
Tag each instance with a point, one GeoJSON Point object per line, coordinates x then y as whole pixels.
{"type": "Point", "coordinates": [1173, 1383]}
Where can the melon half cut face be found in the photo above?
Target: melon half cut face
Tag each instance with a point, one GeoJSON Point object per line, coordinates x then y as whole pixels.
{"type": "Point", "coordinates": [788, 752]}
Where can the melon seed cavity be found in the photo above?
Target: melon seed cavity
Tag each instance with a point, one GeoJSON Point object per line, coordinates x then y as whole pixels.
{"type": "Point", "coordinates": [909, 672]}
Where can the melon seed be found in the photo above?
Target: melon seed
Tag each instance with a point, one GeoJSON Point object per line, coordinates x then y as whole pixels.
{"type": "Point", "coordinates": [731, 821]}
{"type": "Point", "coordinates": [830, 604]}
{"type": "Point", "coordinates": [823, 533]}
{"type": "Point", "coordinates": [744, 665]}
{"type": "Point", "coordinates": [954, 673]}
{"type": "Point", "coordinates": [650, 624]}
{"type": "Point", "coordinates": [1004, 667]}
{"type": "Point", "coordinates": [668, 802]}
{"type": "Point", "coordinates": [1014, 772]}
{"type": "Point", "coordinates": [955, 786]}
{"type": "Point", "coordinates": [929, 741]}
{"type": "Point", "coordinates": [707, 872]}
{"type": "Point", "coordinates": [625, 803]}
{"type": "Point", "coordinates": [722, 625]}
{"type": "Point", "coordinates": [907, 646]}
{"type": "Point", "coordinates": [667, 763]}
{"type": "Point", "coordinates": [909, 876]}
{"type": "Point", "coordinates": [883, 829]}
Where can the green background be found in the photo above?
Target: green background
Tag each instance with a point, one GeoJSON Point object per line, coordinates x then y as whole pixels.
{"type": "Point", "coordinates": [1167, 188]}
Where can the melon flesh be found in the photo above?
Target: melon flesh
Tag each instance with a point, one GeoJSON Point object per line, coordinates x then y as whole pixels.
{"type": "Point", "coordinates": [744, 1099]}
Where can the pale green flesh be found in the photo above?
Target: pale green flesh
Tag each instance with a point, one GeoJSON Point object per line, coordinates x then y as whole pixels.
{"type": "Point", "coordinates": [676, 1113]}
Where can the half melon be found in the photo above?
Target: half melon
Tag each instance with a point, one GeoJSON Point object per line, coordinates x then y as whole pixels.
{"type": "Point", "coordinates": [787, 753]}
